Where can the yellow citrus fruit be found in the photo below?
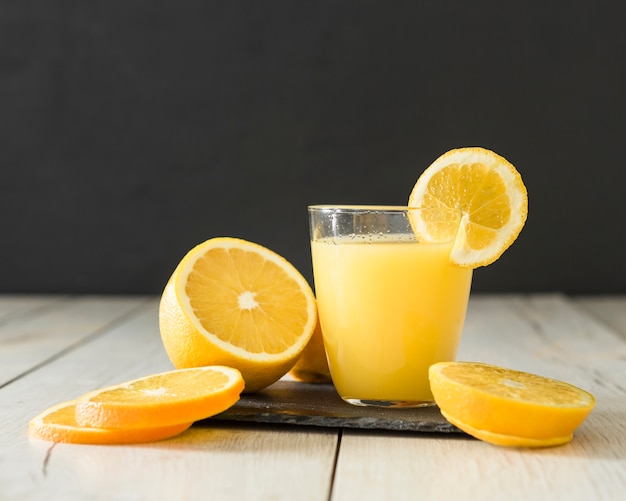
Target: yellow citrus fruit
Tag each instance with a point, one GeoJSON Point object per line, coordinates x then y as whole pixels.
{"type": "Point", "coordinates": [312, 366]}
{"type": "Point", "coordinates": [508, 407]}
{"type": "Point", "coordinates": [236, 303]}
{"type": "Point", "coordinates": [58, 424]}
{"type": "Point", "coordinates": [487, 190]}
{"type": "Point", "coordinates": [165, 399]}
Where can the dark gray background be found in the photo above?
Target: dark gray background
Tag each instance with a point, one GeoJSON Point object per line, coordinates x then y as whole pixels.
{"type": "Point", "coordinates": [132, 130]}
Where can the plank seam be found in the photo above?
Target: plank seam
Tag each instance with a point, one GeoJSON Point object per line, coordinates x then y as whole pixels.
{"type": "Point", "coordinates": [87, 339]}
{"type": "Point", "coordinates": [335, 463]}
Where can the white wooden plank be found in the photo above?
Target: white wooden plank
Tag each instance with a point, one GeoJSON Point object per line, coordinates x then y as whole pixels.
{"type": "Point", "coordinates": [609, 309]}
{"type": "Point", "coordinates": [206, 462]}
{"type": "Point", "coordinates": [218, 462]}
{"type": "Point", "coordinates": [30, 339]}
{"type": "Point", "coordinates": [403, 467]}
{"type": "Point", "coordinates": [19, 304]}
{"type": "Point", "coordinates": [543, 334]}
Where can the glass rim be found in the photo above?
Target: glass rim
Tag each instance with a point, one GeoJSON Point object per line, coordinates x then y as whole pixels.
{"type": "Point", "coordinates": [355, 208]}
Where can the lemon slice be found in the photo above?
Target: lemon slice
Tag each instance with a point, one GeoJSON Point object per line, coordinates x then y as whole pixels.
{"type": "Point", "coordinates": [508, 407]}
{"type": "Point", "coordinates": [487, 190]}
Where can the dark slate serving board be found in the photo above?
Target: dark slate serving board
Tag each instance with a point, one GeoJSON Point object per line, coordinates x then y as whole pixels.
{"type": "Point", "coordinates": [290, 402]}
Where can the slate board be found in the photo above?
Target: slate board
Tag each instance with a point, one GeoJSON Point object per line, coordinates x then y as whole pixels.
{"type": "Point", "coordinates": [290, 402]}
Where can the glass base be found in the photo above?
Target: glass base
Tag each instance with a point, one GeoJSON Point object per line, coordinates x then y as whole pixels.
{"type": "Point", "coordinates": [389, 404]}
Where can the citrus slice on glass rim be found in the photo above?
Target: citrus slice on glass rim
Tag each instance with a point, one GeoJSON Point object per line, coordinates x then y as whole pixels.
{"type": "Point", "coordinates": [488, 191]}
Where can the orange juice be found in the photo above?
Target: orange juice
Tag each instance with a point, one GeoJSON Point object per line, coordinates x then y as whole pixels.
{"type": "Point", "coordinates": [389, 308]}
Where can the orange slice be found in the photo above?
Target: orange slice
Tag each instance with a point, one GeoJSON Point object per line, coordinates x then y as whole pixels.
{"type": "Point", "coordinates": [236, 303]}
{"type": "Point", "coordinates": [508, 407]}
{"type": "Point", "coordinates": [312, 365]}
{"type": "Point", "coordinates": [166, 399]}
{"type": "Point", "coordinates": [58, 424]}
{"type": "Point", "coordinates": [487, 190]}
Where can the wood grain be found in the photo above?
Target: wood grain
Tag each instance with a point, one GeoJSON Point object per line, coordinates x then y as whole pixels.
{"type": "Point", "coordinates": [73, 345]}
{"type": "Point", "coordinates": [13, 305]}
{"type": "Point", "coordinates": [609, 309]}
{"type": "Point", "coordinates": [29, 340]}
{"type": "Point", "coordinates": [206, 462]}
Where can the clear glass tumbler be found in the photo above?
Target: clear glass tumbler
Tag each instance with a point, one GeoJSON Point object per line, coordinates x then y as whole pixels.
{"type": "Point", "coordinates": [390, 304]}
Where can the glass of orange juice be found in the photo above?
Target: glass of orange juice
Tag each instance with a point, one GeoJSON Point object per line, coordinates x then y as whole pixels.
{"type": "Point", "coordinates": [390, 304]}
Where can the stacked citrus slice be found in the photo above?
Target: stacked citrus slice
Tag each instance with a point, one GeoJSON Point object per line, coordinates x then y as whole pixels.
{"type": "Point", "coordinates": [236, 303]}
{"type": "Point", "coordinates": [508, 407]}
{"type": "Point", "coordinates": [143, 410]}
{"type": "Point", "coordinates": [58, 424]}
{"type": "Point", "coordinates": [487, 190]}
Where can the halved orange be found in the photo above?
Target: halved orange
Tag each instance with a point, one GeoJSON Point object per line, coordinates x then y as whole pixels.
{"type": "Point", "coordinates": [488, 191]}
{"type": "Point", "coordinates": [160, 400]}
{"type": "Point", "coordinates": [508, 407]}
{"type": "Point", "coordinates": [58, 424]}
{"type": "Point", "coordinates": [236, 303]}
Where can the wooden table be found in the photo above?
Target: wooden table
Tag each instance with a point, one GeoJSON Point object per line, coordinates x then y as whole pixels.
{"type": "Point", "coordinates": [54, 348]}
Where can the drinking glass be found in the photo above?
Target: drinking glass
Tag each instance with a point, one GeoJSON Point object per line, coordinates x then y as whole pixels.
{"type": "Point", "coordinates": [390, 303]}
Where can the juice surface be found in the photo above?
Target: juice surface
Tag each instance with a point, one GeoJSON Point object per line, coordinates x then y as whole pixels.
{"type": "Point", "coordinates": [388, 310]}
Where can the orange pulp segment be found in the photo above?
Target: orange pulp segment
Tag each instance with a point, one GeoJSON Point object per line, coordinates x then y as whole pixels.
{"type": "Point", "coordinates": [165, 399]}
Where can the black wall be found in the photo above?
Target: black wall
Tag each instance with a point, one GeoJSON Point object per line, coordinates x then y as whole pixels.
{"type": "Point", "coordinates": [132, 130]}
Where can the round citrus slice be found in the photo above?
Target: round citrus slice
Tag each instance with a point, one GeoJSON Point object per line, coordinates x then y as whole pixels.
{"type": "Point", "coordinates": [487, 190]}
{"type": "Point", "coordinates": [236, 303]}
{"type": "Point", "coordinates": [58, 424]}
{"type": "Point", "coordinates": [508, 407]}
{"type": "Point", "coordinates": [159, 400]}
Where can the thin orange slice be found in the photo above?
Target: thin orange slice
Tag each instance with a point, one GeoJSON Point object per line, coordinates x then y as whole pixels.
{"type": "Point", "coordinates": [236, 303]}
{"type": "Point", "coordinates": [488, 191]}
{"type": "Point", "coordinates": [165, 399]}
{"type": "Point", "coordinates": [58, 424]}
{"type": "Point", "coordinates": [508, 407]}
